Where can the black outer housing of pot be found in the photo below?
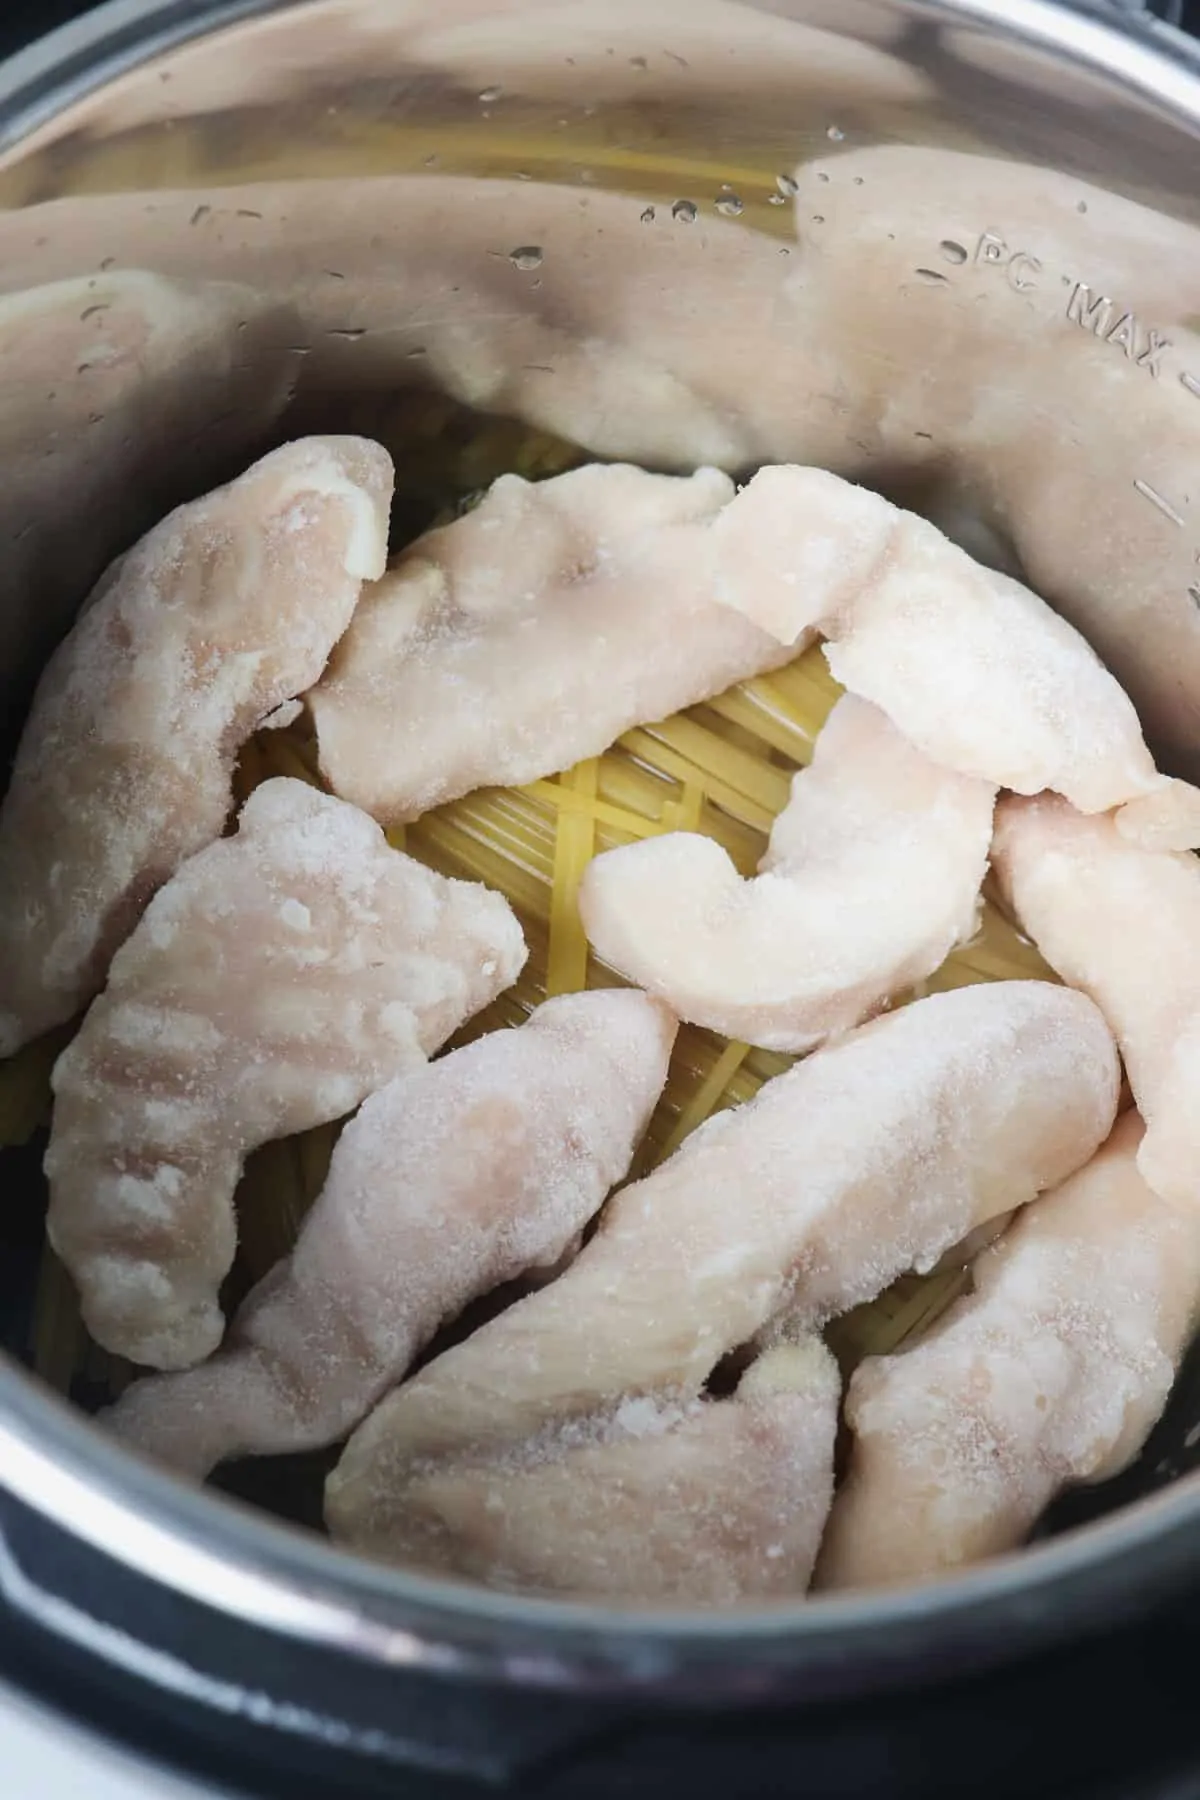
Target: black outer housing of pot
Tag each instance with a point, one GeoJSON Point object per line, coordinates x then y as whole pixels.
{"type": "Point", "coordinates": [1116, 1718]}
{"type": "Point", "coordinates": [194, 1690]}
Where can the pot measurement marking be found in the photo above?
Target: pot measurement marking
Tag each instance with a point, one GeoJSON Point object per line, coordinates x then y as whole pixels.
{"type": "Point", "coordinates": [1156, 499]}
{"type": "Point", "coordinates": [1093, 312]}
{"type": "Point", "coordinates": [1142, 345]}
{"type": "Point", "coordinates": [1021, 270]}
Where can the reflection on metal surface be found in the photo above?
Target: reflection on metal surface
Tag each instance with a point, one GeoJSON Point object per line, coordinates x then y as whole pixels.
{"type": "Point", "coordinates": [572, 212]}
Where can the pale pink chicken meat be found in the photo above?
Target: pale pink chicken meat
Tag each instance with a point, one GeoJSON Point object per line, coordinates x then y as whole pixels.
{"type": "Point", "coordinates": [223, 612]}
{"type": "Point", "coordinates": [871, 877]}
{"type": "Point", "coordinates": [710, 1503]}
{"type": "Point", "coordinates": [1123, 924]}
{"type": "Point", "coordinates": [279, 978]}
{"type": "Point", "coordinates": [1052, 1371]}
{"type": "Point", "coordinates": [973, 668]}
{"type": "Point", "coordinates": [530, 634]}
{"type": "Point", "coordinates": [873, 1156]}
{"type": "Point", "coordinates": [450, 1181]}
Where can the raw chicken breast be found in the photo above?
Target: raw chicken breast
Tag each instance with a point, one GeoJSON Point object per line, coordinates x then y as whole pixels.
{"type": "Point", "coordinates": [873, 1156]}
{"type": "Point", "coordinates": [973, 668]}
{"type": "Point", "coordinates": [282, 976]}
{"type": "Point", "coordinates": [709, 1503]}
{"type": "Point", "coordinates": [1053, 1371]}
{"type": "Point", "coordinates": [450, 1180]}
{"type": "Point", "coordinates": [1123, 924]}
{"type": "Point", "coordinates": [224, 611]}
{"type": "Point", "coordinates": [870, 879]}
{"type": "Point", "coordinates": [528, 635]}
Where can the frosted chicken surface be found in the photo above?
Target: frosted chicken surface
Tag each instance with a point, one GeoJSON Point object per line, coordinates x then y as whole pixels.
{"type": "Point", "coordinates": [451, 1180]}
{"type": "Point", "coordinates": [873, 1156]}
{"type": "Point", "coordinates": [973, 668]}
{"type": "Point", "coordinates": [871, 877]}
{"type": "Point", "coordinates": [220, 614]}
{"type": "Point", "coordinates": [1123, 924]}
{"type": "Point", "coordinates": [1052, 1371]}
{"type": "Point", "coordinates": [279, 978]}
{"type": "Point", "coordinates": [708, 1503]}
{"type": "Point", "coordinates": [530, 634]}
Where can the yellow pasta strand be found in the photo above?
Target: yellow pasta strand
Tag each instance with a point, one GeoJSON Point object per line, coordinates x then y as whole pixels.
{"type": "Point", "coordinates": [59, 1340]}
{"type": "Point", "coordinates": [574, 847]}
{"type": "Point", "coordinates": [25, 1088]}
{"type": "Point", "coordinates": [706, 1097]}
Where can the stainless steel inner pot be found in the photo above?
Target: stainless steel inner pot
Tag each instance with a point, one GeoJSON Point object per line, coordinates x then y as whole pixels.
{"type": "Point", "coordinates": [948, 247]}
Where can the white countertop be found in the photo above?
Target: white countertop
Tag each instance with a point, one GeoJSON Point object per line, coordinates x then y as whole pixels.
{"type": "Point", "coordinates": [44, 1758]}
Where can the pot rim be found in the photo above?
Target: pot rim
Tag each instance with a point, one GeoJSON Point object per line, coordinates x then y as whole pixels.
{"type": "Point", "coordinates": [262, 1572]}
{"type": "Point", "coordinates": [240, 1562]}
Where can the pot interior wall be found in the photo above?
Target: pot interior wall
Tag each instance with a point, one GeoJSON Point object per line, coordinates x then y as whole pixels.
{"type": "Point", "coordinates": [689, 120]}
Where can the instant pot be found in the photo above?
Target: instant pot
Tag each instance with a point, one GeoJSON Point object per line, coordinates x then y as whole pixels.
{"type": "Point", "coordinates": [640, 155]}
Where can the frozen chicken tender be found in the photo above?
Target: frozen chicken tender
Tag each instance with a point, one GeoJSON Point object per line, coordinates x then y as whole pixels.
{"type": "Point", "coordinates": [870, 879]}
{"type": "Point", "coordinates": [873, 1156]}
{"type": "Point", "coordinates": [450, 1181]}
{"type": "Point", "coordinates": [530, 634]}
{"type": "Point", "coordinates": [278, 979]}
{"type": "Point", "coordinates": [973, 668]}
{"type": "Point", "coordinates": [1052, 1371]}
{"type": "Point", "coordinates": [1122, 923]}
{"type": "Point", "coordinates": [709, 1503]}
{"type": "Point", "coordinates": [220, 614]}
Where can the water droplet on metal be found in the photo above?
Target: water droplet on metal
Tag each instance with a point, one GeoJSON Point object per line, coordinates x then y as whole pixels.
{"type": "Point", "coordinates": [857, 180]}
{"type": "Point", "coordinates": [431, 162]}
{"type": "Point", "coordinates": [526, 256]}
{"type": "Point", "coordinates": [638, 62]}
{"type": "Point", "coordinates": [818, 218]}
{"type": "Point", "coordinates": [730, 204]}
{"type": "Point", "coordinates": [684, 211]}
{"type": "Point", "coordinates": [933, 276]}
{"type": "Point", "coordinates": [787, 186]}
{"type": "Point", "coordinates": [776, 200]}
{"type": "Point", "coordinates": [647, 215]}
{"type": "Point", "coordinates": [953, 253]}
{"type": "Point", "coordinates": [835, 134]}
{"type": "Point", "coordinates": [1082, 206]}
{"type": "Point", "coordinates": [418, 350]}
{"type": "Point", "coordinates": [490, 94]}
